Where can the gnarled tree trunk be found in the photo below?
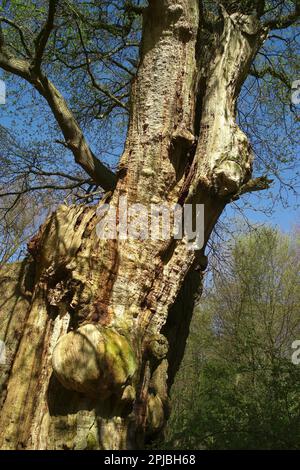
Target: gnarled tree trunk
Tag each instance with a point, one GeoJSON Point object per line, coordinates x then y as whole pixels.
{"type": "Point", "coordinates": [101, 324]}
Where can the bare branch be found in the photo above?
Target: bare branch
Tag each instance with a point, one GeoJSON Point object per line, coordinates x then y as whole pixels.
{"type": "Point", "coordinates": [59, 173]}
{"type": "Point", "coordinates": [20, 31]}
{"type": "Point", "coordinates": [73, 135]}
{"type": "Point", "coordinates": [99, 87]}
{"type": "Point", "coordinates": [271, 71]}
{"type": "Point", "coordinates": [137, 9]}
{"type": "Point", "coordinates": [13, 65]}
{"type": "Point", "coordinates": [256, 184]}
{"type": "Point", "coordinates": [285, 21]}
{"type": "Point", "coordinates": [43, 36]}
{"type": "Point", "coordinates": [42, 187]}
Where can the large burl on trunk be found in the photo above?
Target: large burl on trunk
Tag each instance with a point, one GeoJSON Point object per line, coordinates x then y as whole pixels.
{"type": "Point", "coordinates": [98, 327]}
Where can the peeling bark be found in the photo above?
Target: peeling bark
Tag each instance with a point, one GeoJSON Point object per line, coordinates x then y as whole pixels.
{"type": "Point", "coordinates": [105, 324]}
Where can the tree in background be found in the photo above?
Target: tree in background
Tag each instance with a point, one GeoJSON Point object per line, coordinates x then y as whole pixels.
{"type": "Point", "coordinates": [106, 321]}
{"type": "Point", "coordinates": [240, 387]}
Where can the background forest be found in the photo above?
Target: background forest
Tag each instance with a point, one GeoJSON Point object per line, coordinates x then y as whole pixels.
{"type": "Point", "coordinates": [237, 387]}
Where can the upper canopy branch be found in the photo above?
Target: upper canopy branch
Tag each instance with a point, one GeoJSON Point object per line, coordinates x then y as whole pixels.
{"type": "Point", "coordinates": [20, 31]}
{"type": "Point", "coordinates": [73, 135]}
{"type": "Point", "coordinates": [254, 184]}
{"type": "Point", "coordinates": [95, 83]}
{"type": "Point", "coordinates": [279, 75]}
{"type": "Point", "coordinates": [13, 65]}
{"type": "Point", "coordinates": [285, 21]}
{"type": "Point", "coordinates": [258, 7]}
{"type": "Point", "coordinates": [43, 36]}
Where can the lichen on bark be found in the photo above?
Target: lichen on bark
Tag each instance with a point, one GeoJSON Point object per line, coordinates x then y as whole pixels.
{"type": "Point", "coordinates": [94, 360]}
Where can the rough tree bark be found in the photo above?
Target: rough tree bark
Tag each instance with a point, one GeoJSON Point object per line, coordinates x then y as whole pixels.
{"type": "Point", "coordinates": [98, 327]}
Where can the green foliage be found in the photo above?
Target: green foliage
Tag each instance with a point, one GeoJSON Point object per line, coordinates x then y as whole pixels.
{"type": "Point", "coordinates": [237, 387]}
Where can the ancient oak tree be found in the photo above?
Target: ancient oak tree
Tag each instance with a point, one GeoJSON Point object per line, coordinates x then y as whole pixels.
{"type": "Point", "coordinates": [96, 328]}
